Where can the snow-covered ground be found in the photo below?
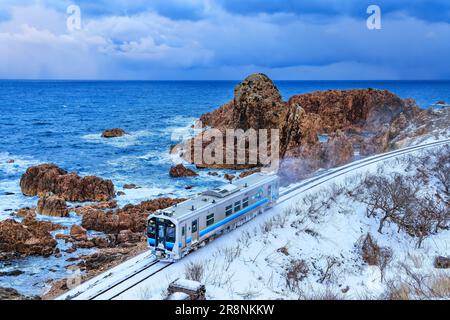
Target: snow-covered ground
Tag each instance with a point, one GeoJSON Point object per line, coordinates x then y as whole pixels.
{"type": "Point", "coordinates": [310, 248]}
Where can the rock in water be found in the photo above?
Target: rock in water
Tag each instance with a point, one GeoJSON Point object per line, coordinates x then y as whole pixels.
{"type": "Point", "coordinates": [78, 233]}
{"type": "Point", "coordinates": [44, 178]}
{"type": "Point", "coordinates": [181, 171]}
{"type": "Point", "coordinates": [10, 294]}
{"type": "Point", "coordinates": [52, 205]}
{"type": "Point", "coordinates": [17, 238]}
{"type": "Point", "coordinates": [112, 133]}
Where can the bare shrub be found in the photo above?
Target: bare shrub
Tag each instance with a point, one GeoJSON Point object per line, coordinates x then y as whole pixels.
{"type": "Point", "coordinates": [327, 272]}
{"type": "Point", "coordinates": [370, 251]}
{"type": "Point", "coordinates": [388, 197]}
{"type": "Point", "coordinates": [374, 255]}
{"type": "Point", "coordinates": [295, 273]}
{"type": "Point", "coordinates": [441, 171]}
{"type": "Point", "coordinates": [194, 271]}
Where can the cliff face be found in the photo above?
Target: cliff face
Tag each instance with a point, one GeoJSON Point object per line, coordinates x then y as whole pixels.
{"type": "Point", "coordinates": [366, 119]}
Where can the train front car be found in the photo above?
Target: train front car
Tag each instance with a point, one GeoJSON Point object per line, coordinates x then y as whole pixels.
{"type": "Point", "coordinates": [162, 237]}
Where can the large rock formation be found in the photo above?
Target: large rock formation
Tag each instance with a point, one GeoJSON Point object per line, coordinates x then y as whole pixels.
{"type": "Point", "coordinates": [44, 178]}
{"type": "Point", "coordinates": [52, 205]}
{"type": "Point", "coordinates": [21, 239]}
{"type": "Point", "coordinates": [368, 120]}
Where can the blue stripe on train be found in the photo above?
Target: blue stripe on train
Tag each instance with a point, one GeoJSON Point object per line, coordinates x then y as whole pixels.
{"type": "Point", "coordinates": [232, 217]}
{"type": "Point", "coordinates": [169, 245]}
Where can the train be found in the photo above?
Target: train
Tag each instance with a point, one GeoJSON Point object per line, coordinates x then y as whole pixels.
{"type": "Point", "coordinates": [176, 231]}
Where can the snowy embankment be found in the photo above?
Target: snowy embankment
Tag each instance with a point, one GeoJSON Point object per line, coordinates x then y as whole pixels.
{"type": "Point", "coordinates": [312, 246]}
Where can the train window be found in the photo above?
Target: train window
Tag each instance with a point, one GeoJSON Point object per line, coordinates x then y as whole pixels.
{"type": "Point", "coordinates": [183, 230]}
{"type": "Point", "coordinates": [194, 226]}
{"type": "Point", "coordinates": [210, 219]}
{"type": "Point", "coordinates": [228, 210]}
{"type": "Point", "coordinates": [245, 202]}
{"type": "Point", "coordinates": [170, 232]}
{"type": "Point", "coordinates": [151, 231]}
{"type": "Point", "coordinates": [237, 206]}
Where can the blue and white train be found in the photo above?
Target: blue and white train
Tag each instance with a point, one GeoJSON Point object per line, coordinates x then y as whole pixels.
{"type": "Point", "coordinates": [175, 231]}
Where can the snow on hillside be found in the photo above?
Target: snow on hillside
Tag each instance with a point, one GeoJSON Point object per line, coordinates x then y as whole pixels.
{"type": "Point", "coordinates": [310, 247]}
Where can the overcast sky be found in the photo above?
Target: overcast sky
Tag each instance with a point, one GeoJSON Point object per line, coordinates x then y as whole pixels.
{"type": "Point", "coordinates": [225, 39]}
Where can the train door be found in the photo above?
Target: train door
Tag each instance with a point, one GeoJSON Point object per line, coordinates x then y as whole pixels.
{"type": "Point", "coordinates": [183, 235]}
{"type": "Point", "coordinates": [269, 192]}
{"type": "Point", "coordinates": [194, 230]}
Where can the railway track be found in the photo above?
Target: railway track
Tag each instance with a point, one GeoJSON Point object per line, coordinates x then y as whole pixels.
{"type": "Point", "coordinates": [139, 268]}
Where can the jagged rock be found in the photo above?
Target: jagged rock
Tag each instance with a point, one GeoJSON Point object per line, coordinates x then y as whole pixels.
{"type": "Point", "coordinates": [336, 151]}
{"type": "Point", "coordinates": [10, 161]}
{"type": "Point", "coordinates": [441, 262]}
{"type": "Point", "coordinates": [44, 178]}
{"type": "Point", "coordinates": [11, 294]}
{"type": "Point", "coordinates": [13, 273]}
{"type": "Point", "coordinates": [213, 173]}
{"type": "Point", "coordinates": [120, 193]}
{"type": "Point", "coordinates": [112, 133]}
{"type": "Point", "coordinates": [229, 177]}
{"type": "Point", "coordinates": [343, 109]}
{"type": "Point", "coordinates": [52, 205]}
{"type": "Point", "coordinates": [23, 212]}
{"type": "Point", "coordinates": [31, 239]}
{"type": "Point", "coordinates": [100, 206]}
{"type": "Point", "coordinates": [131, 186]}
{"type": "Point", "coordinates": [244, 174]}
{"type": "Point", "coordinates": [181, 171]}
{"type": "Point", "coordinates": [78, 233]}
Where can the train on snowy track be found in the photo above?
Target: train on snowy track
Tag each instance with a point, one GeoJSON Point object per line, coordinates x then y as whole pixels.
{"type": "Point", "coordinates": [175, 231]}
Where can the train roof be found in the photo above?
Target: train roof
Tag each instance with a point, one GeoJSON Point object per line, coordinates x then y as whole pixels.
{"type": "Point", "coordinates": [216, 195]}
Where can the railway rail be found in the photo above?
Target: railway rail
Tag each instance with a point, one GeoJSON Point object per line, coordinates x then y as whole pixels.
{"type": "Point", "coordinates": [111, 284]}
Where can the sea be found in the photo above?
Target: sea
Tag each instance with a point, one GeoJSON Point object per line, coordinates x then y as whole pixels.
{"type": "Point", "coordinates": [61, 122]}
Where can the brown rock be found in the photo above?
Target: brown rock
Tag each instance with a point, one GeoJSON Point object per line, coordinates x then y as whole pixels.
{"type": "Point", "coordinates": [131, 186]}
{"type": "Point", "coordinates": [127, 236]}
{"type": "Point", "coordinates": [65, 237]}
{"type": "Point", "coordinates": [229, 177]}
{"type": "Point", "coordinates": [97, 206]}
{"type": "Point", "coordinates": [342, 109]}
{"type": "Point", "coordinates": [85, 244]}
{"type": "Point", "coordinates": [52, 205]}
{"type": "Point", "coordinates": [372, 120]}
{"type": "Point", "coordinates": [244, 174]}
{"type": "Point", "coordinates": [10, 294]}
{"type": "Point", "coordinates": [112, 133]}
{"type": "Point", "coordinates": [78, 233]}
{"type": "Point", "coordinates": [23, 212]}
{"type": "Point", "coordinates": [10, 161]}
{"type": "Point", "coordinates": [44, 178]}
{"type": "Point", "coordinates": [25, 240]}
{"type": "Point", "coordinates": [41, 226]}
{"type": "Point", "coordinates": [181, 171]}
{"type": "Point", "coordinates": [337, 151]}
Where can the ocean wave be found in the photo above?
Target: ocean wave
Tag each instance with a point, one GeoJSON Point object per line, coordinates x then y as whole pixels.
{"type": "Point", "coordinates": [19, 165]}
